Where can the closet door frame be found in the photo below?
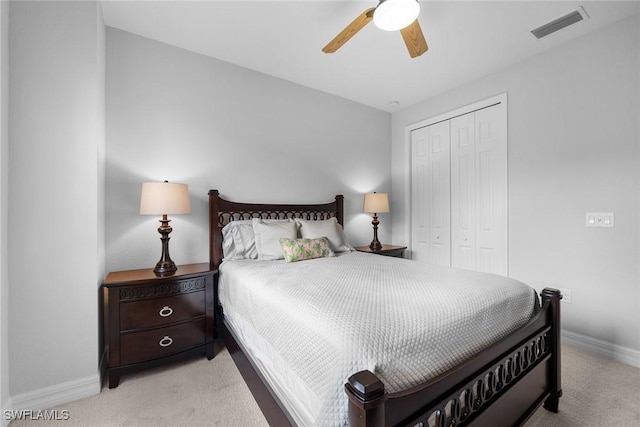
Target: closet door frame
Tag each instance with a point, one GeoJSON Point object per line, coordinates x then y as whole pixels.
{"type": "Point", "coordinates": [485, 103]}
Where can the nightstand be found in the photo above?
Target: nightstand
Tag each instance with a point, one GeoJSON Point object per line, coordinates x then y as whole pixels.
{"type": "Point", "coordinates": [150, 319]}
{"type": "Point", "coordinates": [387, 250]}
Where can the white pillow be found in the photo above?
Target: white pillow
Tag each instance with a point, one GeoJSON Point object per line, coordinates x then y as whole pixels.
{"type": "Point", "coordinates": [238, 240]}
{"type": "Point", "coordinates": [328, 228]}
{"type": "Point", "coordinates": [268, 235]}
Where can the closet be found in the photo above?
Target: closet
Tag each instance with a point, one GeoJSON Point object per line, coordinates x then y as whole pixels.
{"type": "Point", "coordinates": [459, 190]}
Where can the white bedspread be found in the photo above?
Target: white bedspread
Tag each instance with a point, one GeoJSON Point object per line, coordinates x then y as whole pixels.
{"type": "Point", "coordinates": [311, 324]}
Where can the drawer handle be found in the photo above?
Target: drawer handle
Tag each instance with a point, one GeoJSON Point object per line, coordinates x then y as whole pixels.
{"type": "Point", "coordinates": [166, 311]}
{"type": "Point", "coordinates": [166, 341]}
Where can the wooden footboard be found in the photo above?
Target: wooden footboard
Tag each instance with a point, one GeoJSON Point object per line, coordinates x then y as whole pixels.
{"type": "Point", "coordinates": [501, 386]}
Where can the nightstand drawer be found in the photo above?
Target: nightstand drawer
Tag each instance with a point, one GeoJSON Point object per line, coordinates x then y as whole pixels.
{"type": "Point", "coordinates": [142, 346]}
{"type": "Point", "coordinates": [161, 311]}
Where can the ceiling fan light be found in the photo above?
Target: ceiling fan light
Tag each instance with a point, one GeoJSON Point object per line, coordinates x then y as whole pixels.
{"type": "Point", "coordinates": [393, 15]}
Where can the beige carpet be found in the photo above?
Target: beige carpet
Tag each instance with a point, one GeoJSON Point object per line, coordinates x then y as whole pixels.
{"type": "Point", "coordinates": [597, 392]}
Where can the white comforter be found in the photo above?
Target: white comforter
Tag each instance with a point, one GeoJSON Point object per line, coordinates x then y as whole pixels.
{"type": "Point", "coordinates": [311, 324]}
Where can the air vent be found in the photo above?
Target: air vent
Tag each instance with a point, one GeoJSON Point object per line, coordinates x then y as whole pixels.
{"type": "Point", "coordinates": [560, 23]}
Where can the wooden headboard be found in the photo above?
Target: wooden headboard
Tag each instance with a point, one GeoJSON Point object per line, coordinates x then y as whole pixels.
{"type": "Point", "coordinates": [222, 211]}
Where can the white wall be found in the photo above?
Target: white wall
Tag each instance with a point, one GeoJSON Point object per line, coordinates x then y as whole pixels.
{"type": "Point", "coordinates": [180, 116]}
{"type": "Point", "coordinates": [101, 151]}
{"type": "Point", "coordinates": [56, 133]}
{"type": "Point", "coordinates": [4, 194]}
{"type": "Point", "coordinates": [573, 148]}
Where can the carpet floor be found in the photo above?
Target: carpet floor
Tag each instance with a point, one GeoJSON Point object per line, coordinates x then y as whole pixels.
{"type": "Point", "coordinates": [597, 392]}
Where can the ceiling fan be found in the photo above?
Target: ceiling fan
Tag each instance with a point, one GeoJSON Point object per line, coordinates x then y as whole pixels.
{"type": "Point", "coordinates": [389, 15]}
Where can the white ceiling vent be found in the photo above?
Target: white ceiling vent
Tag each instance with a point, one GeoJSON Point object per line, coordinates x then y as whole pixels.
{"type": "Point", "coordinates": [560, 23]}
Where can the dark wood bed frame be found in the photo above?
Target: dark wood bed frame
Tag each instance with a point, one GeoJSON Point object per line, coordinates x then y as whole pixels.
{"type": "Point", "coordinates": [502, 385]}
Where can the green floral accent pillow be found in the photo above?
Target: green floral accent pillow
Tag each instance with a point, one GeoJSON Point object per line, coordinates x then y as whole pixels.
{"type": "Point", "coordinates": [301, 249]}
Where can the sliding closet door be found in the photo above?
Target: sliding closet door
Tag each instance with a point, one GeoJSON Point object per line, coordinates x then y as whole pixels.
{"type": "Point", "coordinates": [430, 227]}
{"type": "Point", "coordinates": [463, 192]}
{"type": "Point", "coordinates": [491, 190]}
{"type": "Point", "coordinates": [479, 191]}
{"type": "Point", "coordinates": [459, 191]}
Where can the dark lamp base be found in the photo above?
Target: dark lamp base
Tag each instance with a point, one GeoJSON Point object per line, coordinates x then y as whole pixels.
{"type": "Point", "coordinates": [165, 268]}
{"type": "Point", "coordinates": [375, 243]}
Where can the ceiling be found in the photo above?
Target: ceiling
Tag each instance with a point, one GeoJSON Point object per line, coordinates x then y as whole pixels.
{"type": "Point", "coordinates": [467, 40]}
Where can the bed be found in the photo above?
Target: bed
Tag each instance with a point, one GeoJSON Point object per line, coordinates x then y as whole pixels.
{"type": "Point", "coordinates": [469, 382]}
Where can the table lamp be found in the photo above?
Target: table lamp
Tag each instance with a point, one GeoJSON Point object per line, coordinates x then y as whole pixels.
{"type": "Point", "coordinates": [164, 198]}
{"type": "Point", "coordinates": [376, 203]}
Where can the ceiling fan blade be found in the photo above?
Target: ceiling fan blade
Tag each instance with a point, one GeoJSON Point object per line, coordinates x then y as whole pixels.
{"type": "Point", "coordinates": [414, 39]}
{"type": "Point", "coordinates": [351, 29]}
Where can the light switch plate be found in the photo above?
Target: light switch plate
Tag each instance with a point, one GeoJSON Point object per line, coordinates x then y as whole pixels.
{"type": "Point", "coordinates": [599, 219]}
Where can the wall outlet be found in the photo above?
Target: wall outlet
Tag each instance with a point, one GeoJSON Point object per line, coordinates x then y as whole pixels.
{"type": "Point", "coordinates": [566, 295]}
{"type": "Point", "coordinates": [599, 219]}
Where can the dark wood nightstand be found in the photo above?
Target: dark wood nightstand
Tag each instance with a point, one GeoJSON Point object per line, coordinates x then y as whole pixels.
{"type": "Point", "coordinates": [150, 319]}
{"type": "Point", "coordinates": [387, 250]}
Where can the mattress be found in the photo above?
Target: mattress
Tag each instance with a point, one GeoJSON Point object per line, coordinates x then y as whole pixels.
{"type": "Point", "coordinates": [309, 325]}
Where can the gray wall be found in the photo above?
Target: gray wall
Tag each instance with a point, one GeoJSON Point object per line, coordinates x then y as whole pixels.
{"type": "Point", "coordinates": [184, 117]}
{"type": "Point", "coordinates": [56, 138]}
{"type": "Point", "coordinates": [573, 148]}
{"type": "Point", "coordinates": [4, 194]}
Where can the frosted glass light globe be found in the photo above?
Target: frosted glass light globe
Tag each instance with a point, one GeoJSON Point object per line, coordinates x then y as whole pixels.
{"type": "Point", "coordinates": [393, 15]}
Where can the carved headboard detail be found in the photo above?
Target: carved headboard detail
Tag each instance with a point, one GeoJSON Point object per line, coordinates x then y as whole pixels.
{"type": "Point", "coordinates": [222, 211]}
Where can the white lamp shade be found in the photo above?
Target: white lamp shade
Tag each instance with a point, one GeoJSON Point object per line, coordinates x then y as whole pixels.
{"type": "Point", "coordinates": [376, 203]}
{"type": "Point", "coordinates": [393, 15]}
{"type": "Point", "coordinates": [159, 198]}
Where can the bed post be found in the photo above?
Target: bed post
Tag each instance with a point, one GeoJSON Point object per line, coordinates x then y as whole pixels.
{"type": "Point", "coordinates": [340, 209]}
{"type": "Point", "coordinates": [215, 237]}
{"type": "Point", "coordinates": [553, 297]}
{"type": "Point", "coordinates": [366, 400]}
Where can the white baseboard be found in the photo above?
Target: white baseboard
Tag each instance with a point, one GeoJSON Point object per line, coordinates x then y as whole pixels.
{"type": "Point", "coordinates": [620, 353]}
{"type": "Point", "coordinates": [58, 394]}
